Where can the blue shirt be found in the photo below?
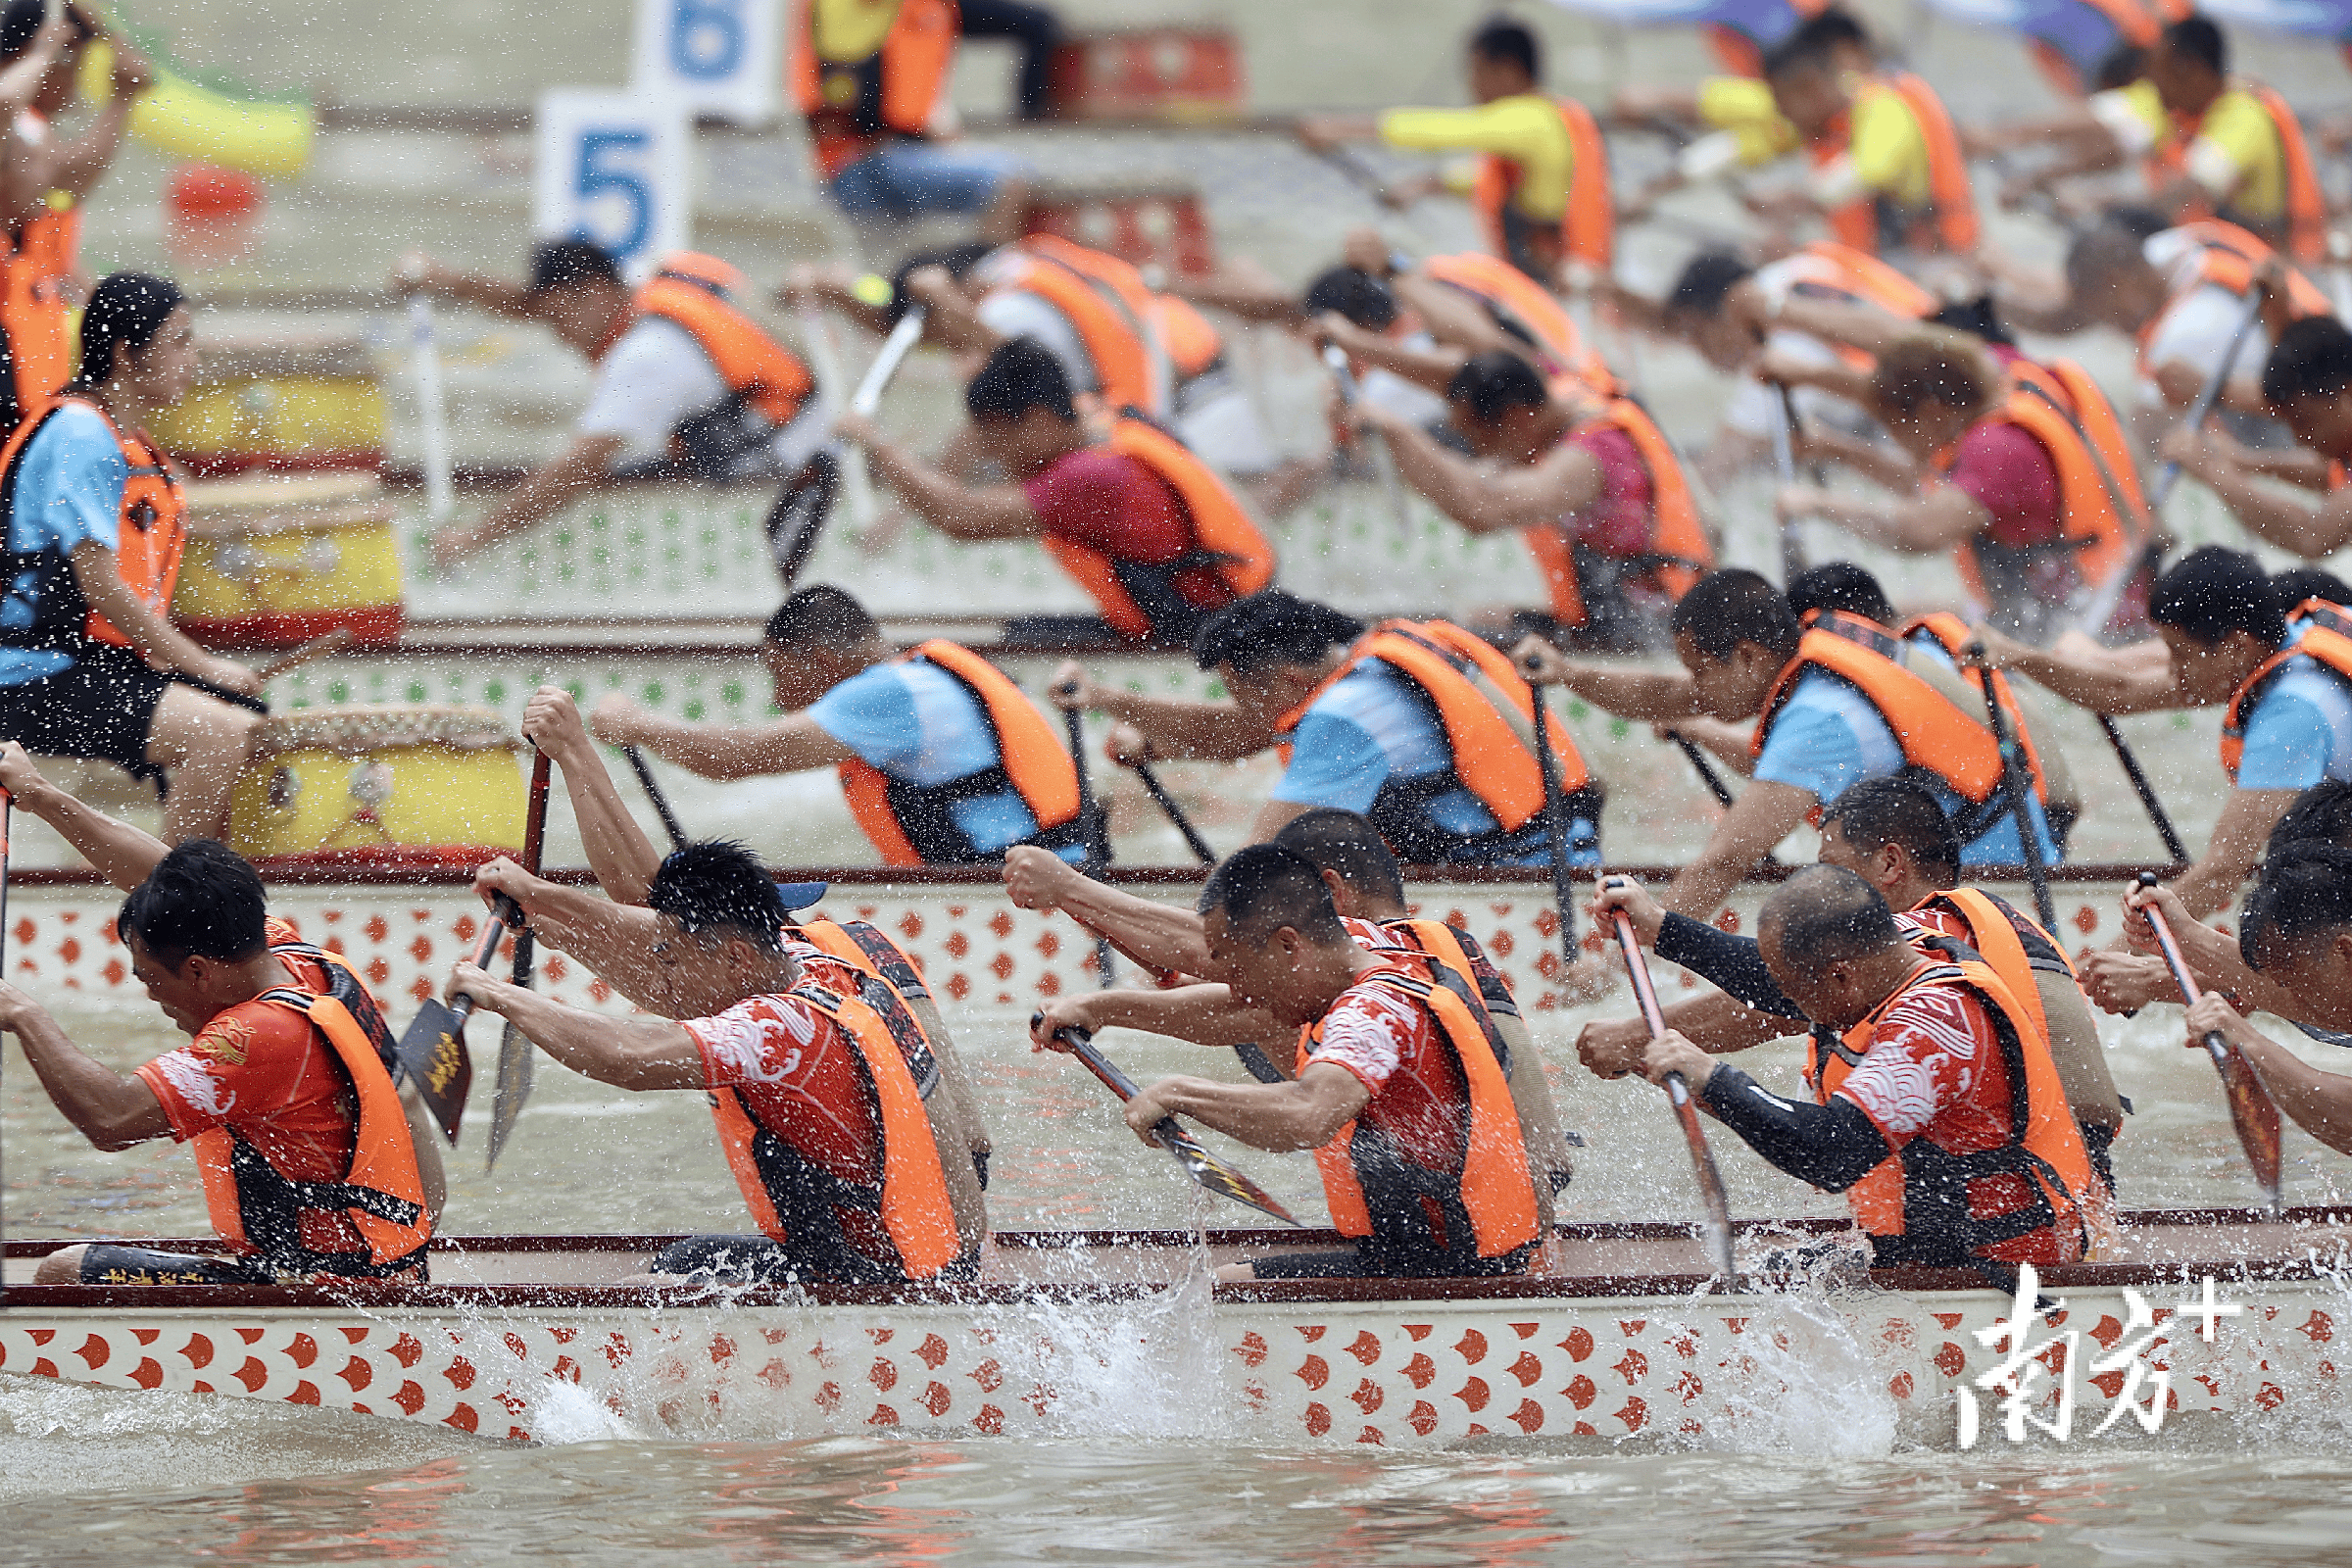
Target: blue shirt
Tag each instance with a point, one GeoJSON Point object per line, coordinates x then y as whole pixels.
{"type": "Point", "coordinates": [1827, 737]}
{"type": "Point", "coordinates": [914, 721]}
{"type": "Point", "coordinates": [2300, 728]}
{"type": "Point", "coordinates": [68, 490]}
{"type": "Point", "coordinates": [1371, 725]}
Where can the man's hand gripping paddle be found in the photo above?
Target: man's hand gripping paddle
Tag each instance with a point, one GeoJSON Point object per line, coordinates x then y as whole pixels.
{"type": "Point", "coordinates": [1198, 1163]}
{"type": "Point", "coordinates": [2252, 1111]}
{"type": "Point", "coordinates": [514, 1047]}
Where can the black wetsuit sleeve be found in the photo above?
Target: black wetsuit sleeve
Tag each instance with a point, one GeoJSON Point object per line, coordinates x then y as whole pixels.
{"type": "Point", "coordinates": [1832, 1146]}
{"type": "Point", "coordinates": [1735, 963]}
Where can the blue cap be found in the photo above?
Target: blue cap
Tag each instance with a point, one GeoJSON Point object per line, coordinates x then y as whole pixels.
{"type": "Point", "coordinates": [800, 895]}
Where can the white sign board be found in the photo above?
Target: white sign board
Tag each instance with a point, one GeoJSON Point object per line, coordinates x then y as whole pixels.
{"type": "Point", "coordinates": [717, 57]}
{"type": "Point", "coordinates": [615, 167]}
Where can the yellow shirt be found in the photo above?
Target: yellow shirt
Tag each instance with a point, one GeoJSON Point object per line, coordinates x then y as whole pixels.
{"type": "Point", "coordinates": [1743, 106]}
{"type": "Point", "coordinates": [851, 31]}
{"type": "Point", "coordinates": [1526, 129]}
{"type": "Point", "coordinates": [2234, 155]}
{"type": "Point", "coordinates": [1889, 149]}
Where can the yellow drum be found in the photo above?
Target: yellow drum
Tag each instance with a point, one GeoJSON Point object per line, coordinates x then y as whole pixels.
{"type": "Point", "coordinates": [410, 788]}
{"type": "Point", "coordinates": [289, 400]}
{"type": "Point", "coordinates": [274, 561]}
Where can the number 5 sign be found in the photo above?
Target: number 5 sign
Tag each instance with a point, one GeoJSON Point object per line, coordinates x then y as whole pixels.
{"type": "Point", "coordinates": [717, 57]}
{"type": "Point", "coordinates": [614, 167]}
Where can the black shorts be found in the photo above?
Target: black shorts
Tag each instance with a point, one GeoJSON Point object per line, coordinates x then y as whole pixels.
{"type": "Point", "coordinates": [107, 1265]}
{"type": "Point", "coordinates": [101, 706]}
{"type": "Point", "coordinates": [1365, 1263]}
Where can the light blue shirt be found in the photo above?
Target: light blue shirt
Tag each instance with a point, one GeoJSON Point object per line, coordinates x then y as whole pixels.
{"type": "Point", "coordinates": [914, 721]}
{"type": "Point", "coordinates": [2300, 729]}
{"type": "Point", "coordinates": [68, 490]}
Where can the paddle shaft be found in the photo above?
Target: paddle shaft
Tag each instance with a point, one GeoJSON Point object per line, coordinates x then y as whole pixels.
{"type": "Point", "coordinates": [1096, 831]}
{"type": "Point", "coordinates": [1184, 824]}
{"type": "Point", "coordinates": [301, 653]}
{"type": "Point", "coordinates": [503, 914]}
{"type": "Point", "coordinates": [2211, 393]}
{"type": "Point", "coordinates": [1711, 1194]}
{"type": "Point", "coordinates": [1555, 827]}
{"type": "Point", "coordinates": [432, 418]}
{"type": "Point", "coordinates": [2146, 791]}
{"type": "Point", "coordinates": [653, 792]}
{"type": "Point", "coordinates": [817, 333]}
{"type": "Point", "coordinates": [2252, 1112]}
{"type": "Point", "coordinates": [2020, 783]}
{"type": "Point", "coordinates": [868, 398]}
{"type": "Point", "coordinates": [1384, 461]}
{"type": "Point", "coordinates": [1784, 458]}
{"type": "Point", "coordinates": [1706, 771]}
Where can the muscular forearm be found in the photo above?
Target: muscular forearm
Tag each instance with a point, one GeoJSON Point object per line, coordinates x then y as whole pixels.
{"type": "Point", "coordinates": [2102, 689]}
{"type": "Point", "coordinates": [110, 1109]}
{"type": "Point", "coordinates": [2288, 520]}
{"type": "Point", "coordinates": [1833, 1145]}
{"type": "Point", "coordinates": [1175, 727]}
{"type": "Point", "coordinates": [625, 1053]}
{"type": "Point", "coordinates": [1486, 502]}
{"type": "Point", "coordinates": [2319, 1103]}
{"type": "Point", "coordinates": [624, 858]}
{"type": "Point", "coordinates": [1165, 937]}
{"type": "Point", "coordinates": [1718, 1024]}
{"type": "Point", "coordinates": [1649, 695]}
{"type": "Point", "coordinates": [1204, 1014]}
{"type": "Point", "coordinates": [539, 497]}
{"type": "Point", "coordinates": [725, 751]}
{"type": "Point", "coordinates": [613, 940]}
{"type": "Point", "coordinates": [122, 854]}
{"type": "Point", "coordinates": [1278, 1118]}
{"type": "Point", "coordinates": [995, 512]}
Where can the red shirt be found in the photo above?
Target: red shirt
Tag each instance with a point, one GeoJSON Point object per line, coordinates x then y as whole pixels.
{"type": "Point", "coordinates": [1623, 518]}
{"type": "Point", "coordinates": [2005, 470]}
{"type": "Point", "coordinates": [1395, 1049]}
{"type": "Point", "coordinates": [1112, 503]}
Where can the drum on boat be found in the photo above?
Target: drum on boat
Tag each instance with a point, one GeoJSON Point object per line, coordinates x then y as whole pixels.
{"type": "Point", "coordinates": [289, 402]}
{"type": "Point", "coordinates": [413, 788]}
{"type": "Point", "coordinates": [274, 561]}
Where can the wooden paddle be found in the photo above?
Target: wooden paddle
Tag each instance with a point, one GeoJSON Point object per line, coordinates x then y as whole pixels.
{"type": "Point", "coordinates": [514, 1049]}
{"type": "Point", "coordinates": [2252, 1111]}
{"type": "Point", "coordinates": [292, 657]}
{"type": "Point", "coordinates": [1168, 803]}
{"type": "Point", "coordinates": [2146, 791]}
{"type": "Point", "coordinates": [1703, 1158]}
{"type": "Point", "coordinates": [2018, 779]}
{"type": "Point", "coordinates": [433, 1050]}
{"type": "Point", "coordinates": [1097, 832]}
{"type": "Point", "coordinates": [1198, 1163]}
{"type": "Point", "coordinates": [653, 792]}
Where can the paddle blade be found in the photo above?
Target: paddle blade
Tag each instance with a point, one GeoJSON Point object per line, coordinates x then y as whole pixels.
{"type": "Point", "coordinates": [515, 1053]}
{"type": "Point", "coordinates": [2253, 1114]}
{"type": "Point", "coordinates": [1215, 1175]}
{"type": "Point", "coordinates": [1718, 1203]}
{"type": "Point", "coordinates": [433, 1055]}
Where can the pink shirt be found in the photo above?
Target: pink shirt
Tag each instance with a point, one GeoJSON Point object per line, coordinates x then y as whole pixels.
{"type": "Point", "coordinates": [1622, 520]}
{"type": "Point", "coordinates": [2005, 470]}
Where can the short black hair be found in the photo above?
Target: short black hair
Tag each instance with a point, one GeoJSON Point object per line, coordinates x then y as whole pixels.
{"type": "Point", "coordinates": [1795, 52]}
{"type": "Point", "coordinates": [125, 311]}
{"type": "Point", "coordinates": [2311, 359]}
{"type": "Point", "coordinates": [1488, 383]}
{"type": "Point", "coordinates": [563, 263]}
{"type": "Point", "coordinates": [19, 24]}
{"type": "Point", "coordinates": [1735, 605]}
{"type": "Point", "coordinates": [2305, 891]}
{"type": "Point", "coordinates": [820, 617]}
{"type": "Point", "coordinates": [1354, 293]}
{"type": "Point", "coordinates": [2322, 813]}
{"type": "Point", "coordinates": [1840, 585]}
{"type": "Point", "coordinates": [2201, 39]}
{"type": "Point", "coordinates": [1509, 42]}
{"type": "Point", "coordinates": [1020, 376]}
{"type": "Point", "coordinates": [2298, 583]}
{"type": "Point", "coordinates": [1707, 279]}
{"type": "Point", "coordinates": [201, 899]}
{"type": "Point", "coordinates": [1980, 318]}
{"type": "Point", "coordinates": [2119, 66]}
{"type": "Point", "coordinates": [1346, 843]}
{"type": "Point", "coordinates": [2115, 244]}
{"type": "Point", "coordinates": [1904, 812]}
{"type": "Point", "coordinates": [2213, 591]}
{"type": "Point", "coordinates": [1826, 914]}
{"type": "Point", "coordinates": [958, 261]}
{"type": "Point", "coordinates": [1271, 627]}
{"type": "Point", "coordinates": [1267, 886]}
{"type": "Point", "coordinates": [719, 884]}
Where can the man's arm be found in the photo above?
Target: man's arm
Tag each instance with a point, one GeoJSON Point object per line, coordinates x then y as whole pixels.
{"type": "Point", "coordinates": [614, 940]}
{"type": "Point", "coordinates": [1482, 500]}
{"type": "Point", "coordinates": [551, 487]}
{"type": "Point", "coordinates": [624, 858]}
{"type": "Point", "coordinates": [2135, 679]}
{"type": "Point", "coordinates": [1204, 1014]}
{"type": "Point", "coordinates": [958, 511]}
{"type": "Point", "coordinates": [1166, 937]}
{"type": "Point", "coordinates": [2309, 528]}
{"type": "Point", "coordinates": [1919, 526]}
{"type": "Point", "coordinates": [1304, 1113]}
{"type": "Point", "coordinates": [1765, 813]}
{"type": "Point", "coordinates": [1832, 1146]}
{"type": "Point", "coordinates": [2233, 851]}
{"type": "Point", "coordinates": [122, 854]}
{"type": "Point", "coordinates": [719, 751]}
{"type": "Point", "coordinates": [114, 1111]}
{"type": "Point", "coordinates": [79, 168]}
{"type": "Point", "coordinates": [1652, 695]}
{"type": "Point", "coordinates": [163, 643]}
{"type": "Point", "coordinates": [1881, 463]}
{"type": "Point", "coordinates": [1432, 366]}
{"type": "Point", "coordinates": [625, 1053]}
{"type": "Point", "coordinates": [495, 296]}
{"type": "Point", "coordinates": [2318, 1102]}
{"type": "Point", "coordinates": [1170, 726]}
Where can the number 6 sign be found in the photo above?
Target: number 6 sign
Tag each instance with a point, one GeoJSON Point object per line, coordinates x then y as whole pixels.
{"type": "Point", "coordinates": [614, 167]}
{"type": "Point", "coordinates": [717, 57]}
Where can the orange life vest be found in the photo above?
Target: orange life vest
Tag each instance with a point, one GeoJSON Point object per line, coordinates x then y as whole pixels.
{"type": "Point", "coordinates": [1527, 310]}
{"type": "Point", "coordinates": [1679, 551]}
{"type": "Point", "coordinates": [258, 1211]}
{"type": "Point", "coordinates": [2228, 257]}
{"type": "Point", "coordinates": [2304, 223]}
{"type": "Point", "coordinates": [1950, 222]}
{"type": "Point", "coordinates": [914, 825]}
{"type": "Point", "coordinates": [792, 1197]}
{"type": "Point", "coordinates": [691, 290]}
{"type": "Point", "coordinates": [2100, 529]}
{"type": "Point", "coordinates": [2326, 638]}
{"type": "Point", "coordinates": [34, 315]}
{"type": "Point", "coordinates": [151, 536]}
{"type": "Point", "coordinates": [1588, 228]}
{"type": "Point", "coordinates": [852, 103]}
{"type": "Point", "coordinates": [1916, 1206]}
{"type": "Point", "coordinates": [1936, 736]}
{"type": "Point", "coordinates": [1225, 540]}
{"type": "Point", "coordinates": [1111, 332]}
{"type": "Point", "coordinates": [1191, 344]}
{"type": "Point", "coordinates": [1827, 270]}
{"type": "Point", "coordinates": [1953, 635]}
{"type": "Point", "coordinates": [1486, 1210]}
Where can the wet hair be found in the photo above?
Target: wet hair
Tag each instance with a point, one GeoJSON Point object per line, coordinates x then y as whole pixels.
{"type": "Point", "coordinates": [1264, 887]}
{"type": "Point", "coordinates": [1979, 318]}
{"type": "Point", "coordinates": [566, 262]}
{"type": "Point", "coordinates": [1826, 914]}
{"type": "Point", "coordinates": [2298, 583]}
{"type": "Point", "coordinates": [1707, 279]}
{"type": "Point", "coordinates": [2313, 359]}
{"type": "Point", "coordinates": [1496, 381]}
{"type": "Point", "coordinates": [1346, 843]}
{"type": "Point", "coordinates": [2198, 39]}
{"type": "Point", "coordinates": [201, 899]}
{"type": "Point", "coordinates": [1271, 627]}
{"type": "Point", "coordinates": [1904, 812]}
{"type": "Point", "coordinates": [2305, 891]}
{"type": "Point", "coordinates": [958, 261]}
{"type": "Point", "coordinates": [1830, 28]}
{"type": "Point", "coordinates": [821, 617]}
{"type": "Point", "coordinates": [1735, 605]}
{"type": "Point", "coordinates": [1794, 53]}
{"type": "Point", "coordinates": [720, 885]}
{"type": "Point", "coordinates": [1929, 368]}
{"type": "Point", "coordinates": [2111, 247]}
{"type": "Point", "coordinates": [2213, 591]}
{"type": "Point", "coordinates": [126, 310]}
{"type": "Point", "coordinates": [2119, 66]}
{"type": "Point", "coordinates": [1020, 376]}
{"type": "Point", "coordinates": [1354, 293]}
{"type": "Point", "coordinates": [19, 24]}
{"type": "Point", "coordinates": [2321, 815]}
{"type": "Point", "coordinates": [1508, 42]}
{"type": "Point", "coordinates": [1840, 585]}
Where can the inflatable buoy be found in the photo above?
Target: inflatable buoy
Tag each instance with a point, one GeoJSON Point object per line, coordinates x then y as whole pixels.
{"type": "Point", "coordinates": [185, 120]}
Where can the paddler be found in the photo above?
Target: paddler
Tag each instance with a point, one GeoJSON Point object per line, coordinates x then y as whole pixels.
{"type": "Point", "coordinates": [1934, 1105]}
{"type": "Point", "coordinates": [817, 1080]}
{"type": "Point", "coordinates": [686, 383]}
{"type": "Point", "coordinates": [1589, 480]}
{"type": "Point", "coordinates": [943, 761]}
{"type": "Point", "coordinates": [1836, 698]}
{"type": "Point", "coordinates": [309, 1161]}
{"type": "Point", "coordinates": [1144, 526]}
{"type": "Point", "coordinates": [2306, 382]}
{"type": "Point", "coordinates": [1892, 834]}
{"type": "Point", "coordinates": [1434, 1181]}
{"type": "Point", "coordinates": [1419, 725]}
{"type": "Point", "coordinates": [90, 665]}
